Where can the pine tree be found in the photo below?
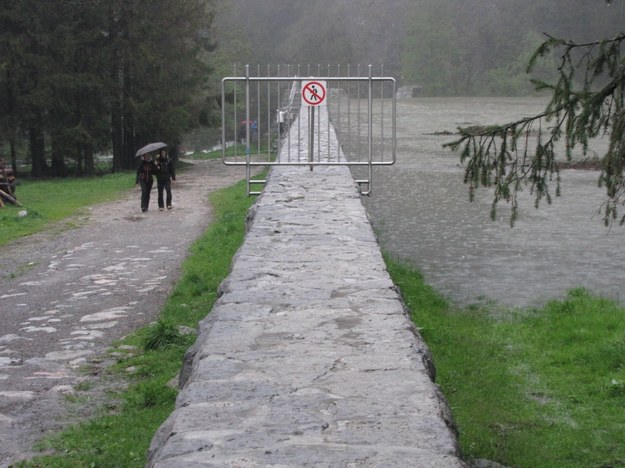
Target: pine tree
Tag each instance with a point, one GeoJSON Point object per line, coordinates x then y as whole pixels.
{"type": "Point", "coordinates": [587, 101]}
{"type": "Point", "coordinates": [157, 67]}
{"type": "Point", "coordinates": [80, 76]}
{"type": "Point", "coordinates": [24, 43]}
{"type": "Point", "coordinates": [78, 124]}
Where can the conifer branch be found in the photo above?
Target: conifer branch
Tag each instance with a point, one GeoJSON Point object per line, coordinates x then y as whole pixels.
{"type": "Point", "coordinates": [588, 100]}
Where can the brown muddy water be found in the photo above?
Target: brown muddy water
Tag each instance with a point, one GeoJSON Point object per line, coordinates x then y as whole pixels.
{"type": "Point", "coordinates": [421, 212]}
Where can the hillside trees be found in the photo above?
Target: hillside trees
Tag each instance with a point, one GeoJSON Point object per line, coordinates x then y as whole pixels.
{"type": "Point", "coordinates": [320, 32]}
{"type": "Point", "coordinates": [430, 54]}
{"type": "Point", "coordinates": [455, 47]}
{"type": "Point", "coordinates": [449, 47]}
{"type": "Point", "coordinates": [81, 77]}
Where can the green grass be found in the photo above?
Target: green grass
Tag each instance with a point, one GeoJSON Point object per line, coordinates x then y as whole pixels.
{"type": "Point", "coordinates": [49, 201]}
{"type": "Point", "coordinates": [58, 200]}
{"type": "Point", "coordinates": [200, 155]}
{"type": "Point", "coordinates": [121, 434]}
{"type": "Point", "coordinates": [528, 388]}
{"type": "Point", "coordinates": [238, 151]}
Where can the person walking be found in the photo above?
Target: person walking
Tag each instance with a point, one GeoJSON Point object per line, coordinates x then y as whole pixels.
{"type": "Point", "coordinates": [166, 172]}
{"type": "Point", "coordinates": [145, 177]}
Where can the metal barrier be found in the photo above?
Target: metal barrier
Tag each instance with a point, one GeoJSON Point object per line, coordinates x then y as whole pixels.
{"type": "Point", "coordinates": [313, 120]}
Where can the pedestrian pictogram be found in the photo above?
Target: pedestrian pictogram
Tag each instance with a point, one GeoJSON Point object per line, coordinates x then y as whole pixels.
{"type": "Point", "coordinates": [313, 92]}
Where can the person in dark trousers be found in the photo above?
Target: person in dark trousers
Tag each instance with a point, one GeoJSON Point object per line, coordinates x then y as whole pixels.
{"type": "Point", "coordinates": [145, 177]}
{"type": "Point", "coordinates": [165, 173]}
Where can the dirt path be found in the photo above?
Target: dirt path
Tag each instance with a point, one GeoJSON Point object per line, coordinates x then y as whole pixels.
{"type": "Point", "coordinates": [66, 295]}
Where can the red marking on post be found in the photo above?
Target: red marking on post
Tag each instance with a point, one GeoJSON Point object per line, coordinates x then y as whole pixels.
{"type": "Point", "coordinates": [313, 93]}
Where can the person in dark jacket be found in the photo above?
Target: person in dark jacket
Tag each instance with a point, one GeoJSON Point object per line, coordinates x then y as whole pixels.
{"type": "Point", "coordinates": [165, 173]}
{"type": "Point", "coordinates": [145, 177]}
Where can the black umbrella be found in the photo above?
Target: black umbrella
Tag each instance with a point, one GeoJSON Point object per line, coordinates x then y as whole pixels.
{"type": "Point", "coordinates": [149, 148]}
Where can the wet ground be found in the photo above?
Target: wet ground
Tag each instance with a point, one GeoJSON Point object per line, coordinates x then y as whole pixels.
{"type": "Point", "coordinates": [308, 357]}
{"type": "Point", "coordinates": [421, 213]}
{"type": "Point", "coordinates": [67, 294]}
{"type": "Point", "coordinates": [72, 293]}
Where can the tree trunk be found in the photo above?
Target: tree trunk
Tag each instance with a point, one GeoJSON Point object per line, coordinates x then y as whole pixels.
{"type": "Point", "coordinates": [57, 162]}
{"type": "Point", "coordinates": [37, 151]}
{"type": "Point", "coordinates": [10, 96]}
{"type": "Point", "coordinates": [88, 160]}
{"type": "Point", "coordinates": [13, 155]}
{"type": "Point", "coordinates": [129, 142]}
{"type": "Point", "coordinates": [116, 135]}
{"type": "Point", "coordinates": [117, 31]}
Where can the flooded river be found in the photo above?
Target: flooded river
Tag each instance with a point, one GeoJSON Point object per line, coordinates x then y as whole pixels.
{"type": "Point", "coordinates": [421, 213]}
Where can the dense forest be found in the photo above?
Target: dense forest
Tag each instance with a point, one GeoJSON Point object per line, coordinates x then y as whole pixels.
{"type": "Point", "coordinates": [83, 76]}
{"type": "Point", "coordinates": [80, 77]}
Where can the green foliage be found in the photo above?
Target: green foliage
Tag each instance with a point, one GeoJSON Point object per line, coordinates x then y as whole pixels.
{"type": "Point", "coordinates": [512, 78]}
{"type": "Point", "coordinates": [83, 77]}
{"type": "Point", "coordinates": [69, 197]}
{"type": "Point", "coordinates": [586, 102]}
{"type": "Point", "coordinates": [150, 394]}
{"type": "Point", "coordinates": [540, 387]}
{"type": "Point", "coordinates": [162, 335]}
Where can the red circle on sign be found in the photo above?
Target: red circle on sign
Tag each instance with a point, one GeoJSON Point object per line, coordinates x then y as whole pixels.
{"type": "Point", "coordinates": [313, 95]}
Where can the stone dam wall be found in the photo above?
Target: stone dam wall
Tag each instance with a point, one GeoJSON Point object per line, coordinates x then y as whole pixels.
{"type": "Point", "coordinates": [308, 357]}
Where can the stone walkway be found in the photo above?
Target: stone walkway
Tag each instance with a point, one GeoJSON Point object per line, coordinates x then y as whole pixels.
{"type": "Point", "coordinates": [308, 358]}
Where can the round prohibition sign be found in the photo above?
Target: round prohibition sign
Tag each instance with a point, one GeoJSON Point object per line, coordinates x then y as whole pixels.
{"type": "Point", "coordinates": [313, 93]}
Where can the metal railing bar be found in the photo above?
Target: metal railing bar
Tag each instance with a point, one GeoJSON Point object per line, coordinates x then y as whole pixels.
{"type": "Point", "coordinates": [269, 119]}
{"type": "Point", "coordinates": [306, 78]}
{"type": "Point", "coordinates": [320, 163]}
{"type": "Point", "coordinates": [247, 126]}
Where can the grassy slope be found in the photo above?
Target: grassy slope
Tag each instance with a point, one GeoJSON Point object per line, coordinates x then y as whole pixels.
{"type": "Point", "coordinates": [54, 200]}
{"type": "Point", "coordinates": [541, 387]}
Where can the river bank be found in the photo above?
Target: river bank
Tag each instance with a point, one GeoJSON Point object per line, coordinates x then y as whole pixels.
{"type": "Point", "coordinates": [421, 212]}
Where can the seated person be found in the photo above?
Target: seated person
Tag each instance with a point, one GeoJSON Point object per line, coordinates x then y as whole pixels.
{"type": "Point", "coordinates": [7, 179]}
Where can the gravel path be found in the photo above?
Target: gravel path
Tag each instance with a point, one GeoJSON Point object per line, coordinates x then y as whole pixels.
{"type": "Point", "coordinates": [67, 294]}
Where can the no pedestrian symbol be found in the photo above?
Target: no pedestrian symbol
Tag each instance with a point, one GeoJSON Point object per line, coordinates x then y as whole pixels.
{"type": "Point", "coordinates": [313, 92]}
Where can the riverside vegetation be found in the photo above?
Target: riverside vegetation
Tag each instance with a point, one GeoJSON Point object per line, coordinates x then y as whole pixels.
{"type": "Point", "coordinates": [534, 387]}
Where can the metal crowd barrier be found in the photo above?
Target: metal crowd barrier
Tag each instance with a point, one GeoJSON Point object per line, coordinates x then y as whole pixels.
{"type": "Point", "coordinates": [312, 120]}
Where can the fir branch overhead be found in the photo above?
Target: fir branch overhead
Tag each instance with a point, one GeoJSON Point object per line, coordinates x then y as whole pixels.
{"type": "Point", "coordinates": [587, 101]}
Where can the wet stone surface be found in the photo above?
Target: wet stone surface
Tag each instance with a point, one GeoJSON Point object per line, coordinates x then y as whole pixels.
{"type": "Point", "coordinates": [67, 294]}
{"type": "Point", "coordinates": [308, 358]}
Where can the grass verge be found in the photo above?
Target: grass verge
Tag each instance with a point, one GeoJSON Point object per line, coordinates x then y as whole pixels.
{"type": "Point", "coordinates": [46, 202]}
{"type": "Point", "coordinates": [49, 201]}
{"type": "Point", "coordinates": [238, 151]}
{"type": "Point", "coordinates": [540, 387]}
{"type": "Point", "coordinates": [151, 358]}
